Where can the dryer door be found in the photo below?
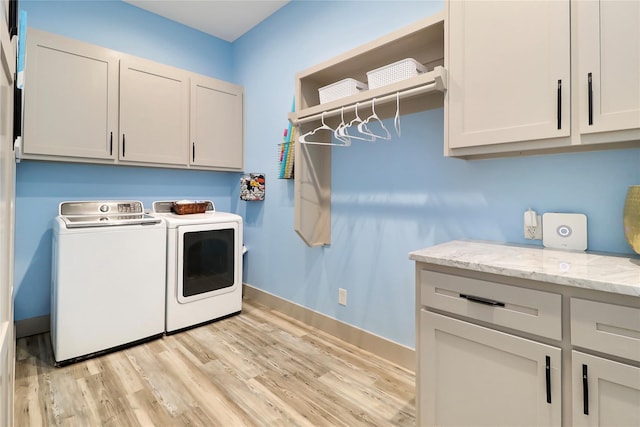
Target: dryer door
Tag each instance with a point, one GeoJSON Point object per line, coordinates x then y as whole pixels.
{"type": "Point", "coordinates": [209, 260]}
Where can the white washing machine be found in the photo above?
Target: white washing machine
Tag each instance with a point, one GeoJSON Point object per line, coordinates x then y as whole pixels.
{"type": "Point", "coordinates": [108, 278]}
{"type": "Point", "coordinates": [204, 265]}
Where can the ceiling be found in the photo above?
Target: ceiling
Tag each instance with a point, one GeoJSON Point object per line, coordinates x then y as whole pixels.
{"type": "Point", "coordinates": [225, 19]}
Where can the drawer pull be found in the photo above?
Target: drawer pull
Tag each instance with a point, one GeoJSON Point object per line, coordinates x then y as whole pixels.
{"type": "Point", "coordinates": [585, 390]}
{"type": "Point", "coordinates": [548, 377]}
{"type": "Point", "coordinates": [481, 300]}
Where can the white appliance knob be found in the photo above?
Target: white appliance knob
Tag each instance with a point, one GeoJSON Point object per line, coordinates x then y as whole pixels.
{"type": "Point", "coordinates": [104, 208]}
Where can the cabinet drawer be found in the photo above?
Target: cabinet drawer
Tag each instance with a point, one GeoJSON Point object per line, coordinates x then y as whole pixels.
{"type": "Point", "coordinates": [604, 327]}
{"type": "Point", "coordinates": [527, 310]}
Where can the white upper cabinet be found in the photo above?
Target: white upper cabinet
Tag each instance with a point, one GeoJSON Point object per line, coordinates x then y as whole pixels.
{"type": "Point", "coordinates": [541, 76]}
{"type": "Point", "coordinates": [509, 71]}
{"type": "Point", "coordinates": [608, 64]}
{"type": "Point", "coordinates": [216, 124]}
{"type": "Point", "coordinates": [85, 103]}
{"type": "Point", "coordinates": [71, 98]}
{"type": "Point", "coordinates": [154, 113]}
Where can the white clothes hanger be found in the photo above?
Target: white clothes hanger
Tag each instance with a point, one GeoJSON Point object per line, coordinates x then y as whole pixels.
{"type": "Point", "coordinates": [303, 138]}
{"type": "Point", "coordinates": [338, 132]}
{"type": "Point", "coordinates": [396, 120]}
{"type": "Point", "coordinates": [352, 123]}
{"type": "Point", "coordinates": [364, 128]}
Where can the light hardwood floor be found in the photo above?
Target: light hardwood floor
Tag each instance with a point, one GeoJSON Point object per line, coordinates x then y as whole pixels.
{"type": "Point", "coordinates": [259, 368]}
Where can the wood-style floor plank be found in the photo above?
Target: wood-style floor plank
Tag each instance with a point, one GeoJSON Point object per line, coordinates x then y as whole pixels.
{"type": "Point", "coordinates": [259, 368]}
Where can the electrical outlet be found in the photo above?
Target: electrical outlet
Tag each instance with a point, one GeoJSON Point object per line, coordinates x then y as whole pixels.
{"type": "Point", "coordinates": [532, 232]}
{"type": "Point", "coordinates": [342, 296]}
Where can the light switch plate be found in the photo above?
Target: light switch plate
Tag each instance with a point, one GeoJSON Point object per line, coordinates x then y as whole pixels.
{"type": "Point", "coordinates": [564, 231]}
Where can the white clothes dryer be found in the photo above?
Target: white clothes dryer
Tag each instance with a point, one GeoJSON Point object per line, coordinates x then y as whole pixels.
{"type": "Point", "coordinates": [204, 265]}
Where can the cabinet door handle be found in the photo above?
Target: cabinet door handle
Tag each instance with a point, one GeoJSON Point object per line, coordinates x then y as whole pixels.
{"type": "Point", "coordinates": [481, 300]}
{"type": "Point", "coordinates": [559, 104]}
{"type": "Point", "coordinates": [193, 151]}
{"type": "Point", "coordinates": [123, 145]}
{"type": "Point", "coordinates": [111, 143]}
{"type": "Point", "coordinates": [590, 95]}
{"type": "Point", "coordinates": [548, 377]}
{"type": "Point", "coordinates": [585, 390]}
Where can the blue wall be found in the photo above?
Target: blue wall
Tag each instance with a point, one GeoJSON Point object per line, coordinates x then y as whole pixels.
{"type": "Point", "coordinates": [388, 198]}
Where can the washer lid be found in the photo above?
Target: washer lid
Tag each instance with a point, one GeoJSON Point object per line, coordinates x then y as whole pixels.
{"type": "Point", "coordinates": [83, 221]}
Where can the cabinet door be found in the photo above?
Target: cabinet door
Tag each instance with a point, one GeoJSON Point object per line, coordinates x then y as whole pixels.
{"type": "Point", "coordinates": [471, 375]}
{"type": "Point", "coordinates": [608, 64]}
{"type": "Point", "coordinates": [154, 113]}
{"type": "Point", "coordinates": [216, 124]}
{"type": "Point", "coordinates": [71, 98]}
{"type": "Point", "coordinates": [509, 70]}
{"type": "Point", "coordinates": [605, 393]}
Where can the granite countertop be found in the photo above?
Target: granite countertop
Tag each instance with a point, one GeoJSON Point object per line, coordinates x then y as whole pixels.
{"type": "Point", "coordinates": [603, 272]}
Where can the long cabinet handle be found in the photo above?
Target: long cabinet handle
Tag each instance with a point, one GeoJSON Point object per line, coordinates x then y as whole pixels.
{"type": "Point", "coordinates": [193, 151]}
{"type": "Point", "coordinates": [111, 143]}
{"type": "Point", "coordinates": [481, 300]}
{"type": "Point", "coordinates": [590, 95]}
{"type": "Point", "coordinates": [585, 390]}
{"type": "Point", "coordinates": [548, 377]}
{"type": "Point", "coordinates": [559, 104]}
{"type": "Point", "coordinates": [123, 145]}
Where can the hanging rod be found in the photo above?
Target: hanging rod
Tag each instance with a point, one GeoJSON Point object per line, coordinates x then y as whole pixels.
{"type": "Point", "coordinates": [437, 84]}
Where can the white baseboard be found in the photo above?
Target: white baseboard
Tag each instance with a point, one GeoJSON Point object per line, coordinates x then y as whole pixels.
{"type": "Point", "coordinates": [32, 326]}
{"type": "Point", "coordinates": [389, 350]}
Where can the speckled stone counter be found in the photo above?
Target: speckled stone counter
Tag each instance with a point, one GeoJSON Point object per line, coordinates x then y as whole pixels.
{"type": "Point", "coordinates": [602, 272]}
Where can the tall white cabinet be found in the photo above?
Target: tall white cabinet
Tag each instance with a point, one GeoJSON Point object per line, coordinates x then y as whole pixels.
{"type": "Point", "coordinates": [541, 76]}
{"type": "Point", "coordinates": [7, 197]}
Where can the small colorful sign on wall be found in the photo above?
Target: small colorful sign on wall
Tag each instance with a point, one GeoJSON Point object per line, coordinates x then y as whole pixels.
{"type": "Point", "coordinates": [252, 187]}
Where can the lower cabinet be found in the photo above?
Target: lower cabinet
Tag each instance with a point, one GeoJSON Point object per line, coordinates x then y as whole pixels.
{"type": "Point", "coordinates": [605, 393]}
{"type": "Point", "coordinates": [516, 352]}
{"type": "Point", "coordinates": [606, 386]}
{"type": "Point", "coordinates": [471, 375]}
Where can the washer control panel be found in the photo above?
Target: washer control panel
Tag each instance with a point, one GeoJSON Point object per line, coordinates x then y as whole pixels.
{"type": "Point", "coordinates": [132, 207]}
{"type": "Point", "coordinates": [109, 207]}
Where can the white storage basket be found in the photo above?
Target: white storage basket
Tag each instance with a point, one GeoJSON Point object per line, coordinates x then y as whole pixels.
{"type": "Point", "coordinates": [400, 70]}
{"type": "Point", "coordinates": [341, 89]}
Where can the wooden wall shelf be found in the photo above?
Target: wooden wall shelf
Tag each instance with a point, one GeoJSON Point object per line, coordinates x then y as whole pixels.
{"type": "Point", "coordinates": [423, 41]}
